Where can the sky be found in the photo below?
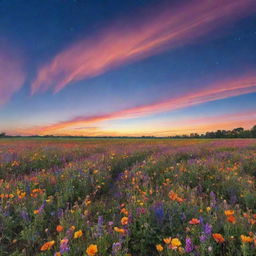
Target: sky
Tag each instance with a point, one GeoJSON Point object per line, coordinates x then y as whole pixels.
{"type": "Point", "coordinates": [127, 68]}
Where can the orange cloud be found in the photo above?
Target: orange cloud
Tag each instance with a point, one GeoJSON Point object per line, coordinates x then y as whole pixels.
{"type": "Point", "coordinates": [165, 28]}
{"type": "Point", "coordinates": [217, 122]}
{"type": "Point", "coordinates": [12, 76]}
{"type": "Point", "coordinates": [212, 92]}
{"type": "Point", "coordinates": [195, 125]}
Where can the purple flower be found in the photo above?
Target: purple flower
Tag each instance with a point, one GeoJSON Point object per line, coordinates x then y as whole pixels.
{"type": "Point", "coordinates": [140, 211]}
{"type": "Point", "coordinates": [213, 199]}
{"type": "Point", "coordinates": [24, 216]}
{"type": "Point", "coordinates": [42, 207]}
{"type": "Point", "coordinates": [189, 245]}
{"type": "Point", "coordinates": [233, 199]}
{"type": "Point", "coordinates": [99, 231]}
{"type": "Point", "coordinates": [159, 212]}
{"type": "Point", "coordinates": [183, 216]}
{"type": "Point", "coordinates": [116, 247]}
{"type": "Point", "coordinates": [203, 238]}
{"type": "Point", "coordinates": [60, 213]}
{"type": "Point", "coordinates": [64, 245]}
{"type": "Point", "coordinates": [207, 229]}
{"type": "Point", "coordinates": [206, 232]}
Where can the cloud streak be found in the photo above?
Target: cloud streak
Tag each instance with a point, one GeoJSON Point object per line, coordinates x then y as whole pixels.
{"type": "Point", "coordinates": [212, 92]}
{"type": "Point", "coordinates": [12, 75]}
{"type": "Point", "coordinates": [166, 28]}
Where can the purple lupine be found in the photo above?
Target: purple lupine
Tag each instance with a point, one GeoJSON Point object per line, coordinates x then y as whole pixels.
{"type": "Point", "coordinates": [110, 227]}
{"type": "Point", "coordinates": [64, 245]}
{"type": "Point", "coordinates": [208, 229]}
{"type": "Point", "coordinates": [116, 247]}
{"type": "Point", "coordinates": [189, 245]}
{"type": "Point", "coordinates": [42, 207]}
{"type": "Point", "coordinates": [28, 189]}
{"type": "Point", "coordinates": [140, 211]}
{"type": "Point", "coordinates": [24, 216]}
{"type": "Point", "coordinates": [233, 199]}
{"type": "Point", "coordinates": [159, 212]}
{"type": "Point", "coordinates": [60, 213]}
{"type": "Point", "coordinates": [183, 217]}
{"type": "Point", "coordinates": [69, 233]}
{"type": "Point", "coordinates": [203, 238]}
{"type": "Point", "coordinates": [100, 226]}
{"type": "Point", "coordinates": [213, 199]}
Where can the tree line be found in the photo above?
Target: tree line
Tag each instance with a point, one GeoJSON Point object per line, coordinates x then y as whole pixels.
{"type": "Point", "coordinates": [239, 132]}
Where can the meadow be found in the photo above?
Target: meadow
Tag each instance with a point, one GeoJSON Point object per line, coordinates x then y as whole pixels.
{"type": "Point", "coordinates": [127, 197]}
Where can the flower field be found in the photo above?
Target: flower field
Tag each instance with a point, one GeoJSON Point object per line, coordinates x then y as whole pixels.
{"type": "Point", "coordinates": [127, 197]}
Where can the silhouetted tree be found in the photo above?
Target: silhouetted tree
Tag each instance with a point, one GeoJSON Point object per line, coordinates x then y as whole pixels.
{"type": "Point", "coordinates": [2, 135]}
{"type": "Point", "coordinates": [253, 131]}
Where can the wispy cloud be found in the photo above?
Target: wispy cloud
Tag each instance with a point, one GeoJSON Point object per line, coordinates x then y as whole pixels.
{"type": "Point", "coordinates": [146, 35]}
{"type": "Point", "coordinates": [12, 75]}
{"type": "Point", "coordinates": [212, 92]}
{"type": "Point", "coordinates": [245, 119]}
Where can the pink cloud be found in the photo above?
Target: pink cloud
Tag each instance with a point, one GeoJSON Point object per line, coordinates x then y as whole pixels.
{"type": "Point", "coordinates": [146, 35]}
{"type": "Point", "coordinates": [217, 91]}
{"type": "Point", "coordinates": [12, 75]}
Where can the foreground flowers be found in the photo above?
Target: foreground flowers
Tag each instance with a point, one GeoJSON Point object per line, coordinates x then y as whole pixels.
{"type": "Point", "coordinates": [159, 248]}
{"type": "Point", "coordinates": [131, 204]}
{"type": "Point", "coordinates": [92, 250]}
{"type": "Point", "coordinates": [124, 221]}
{"type": "Point", "coordinates": [246, 239]}
{"type": "Point", "coordinates": [47, 246]}
{"type": "Point", "coordinates": [78, 234]}
{"type": "Point", "coordinates": [218, 238]}
{"type": "Point", "coordinates": [59, 228]}
{"type": "Point", "coordinates": [194, 221]}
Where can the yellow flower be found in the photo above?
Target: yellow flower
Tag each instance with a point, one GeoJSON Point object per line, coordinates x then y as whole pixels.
{"type": "Point", "coordinates": [47, 246]}
{"type": "Point", "coordinates": [231, 219]}
{"type": "Point", "coordinates": [87, 202]}
{"type": "Point", "coordinates": [159, 248]}
{"type": "Point", "coordinates": [92, 250]}
{"type": "Point", "coordinates": [59, 228]}
{"type": "Point", "coordinates": [246, 239]}
{"type": "Point", "coordinates": [229, 212]}
{"type": "Point", "coordinates": [208, 209]}
{"type": "Point", "coordinates": [124, 221]}
{"type": "Point", "coordinates": [218, 238]}
{"type": "Point", "coordinates": [78, 233]}
{"type": "Point", "coordinates": [119, 230]}
{"type": "Point", "coordinates": [124, 211]}
{"type": "Point", "coordinates": [181, 250]}
{"type": "Point", "coordinates": [167, 240]}
{"type": "Point", "coordinates": [175, 242]}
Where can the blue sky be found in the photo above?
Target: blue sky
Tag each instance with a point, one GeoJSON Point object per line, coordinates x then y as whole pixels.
{"type": "Point", "coordinates": [126, 68]}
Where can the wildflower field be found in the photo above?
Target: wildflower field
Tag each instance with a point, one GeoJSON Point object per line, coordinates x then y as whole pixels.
{"type": "Point", "coordinates": [127, 197]}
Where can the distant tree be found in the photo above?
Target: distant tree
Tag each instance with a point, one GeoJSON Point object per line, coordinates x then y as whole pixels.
{"type": "Point", "coordinates": [237, 132]}
{"type": "Point", "coordinates": [2, 135]}
{"type": "Point", "coordinates": [253, 131]}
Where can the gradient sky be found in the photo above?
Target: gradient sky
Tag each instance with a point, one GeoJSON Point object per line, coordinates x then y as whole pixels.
{"type": "Point", "coordinates": [137, 67]}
